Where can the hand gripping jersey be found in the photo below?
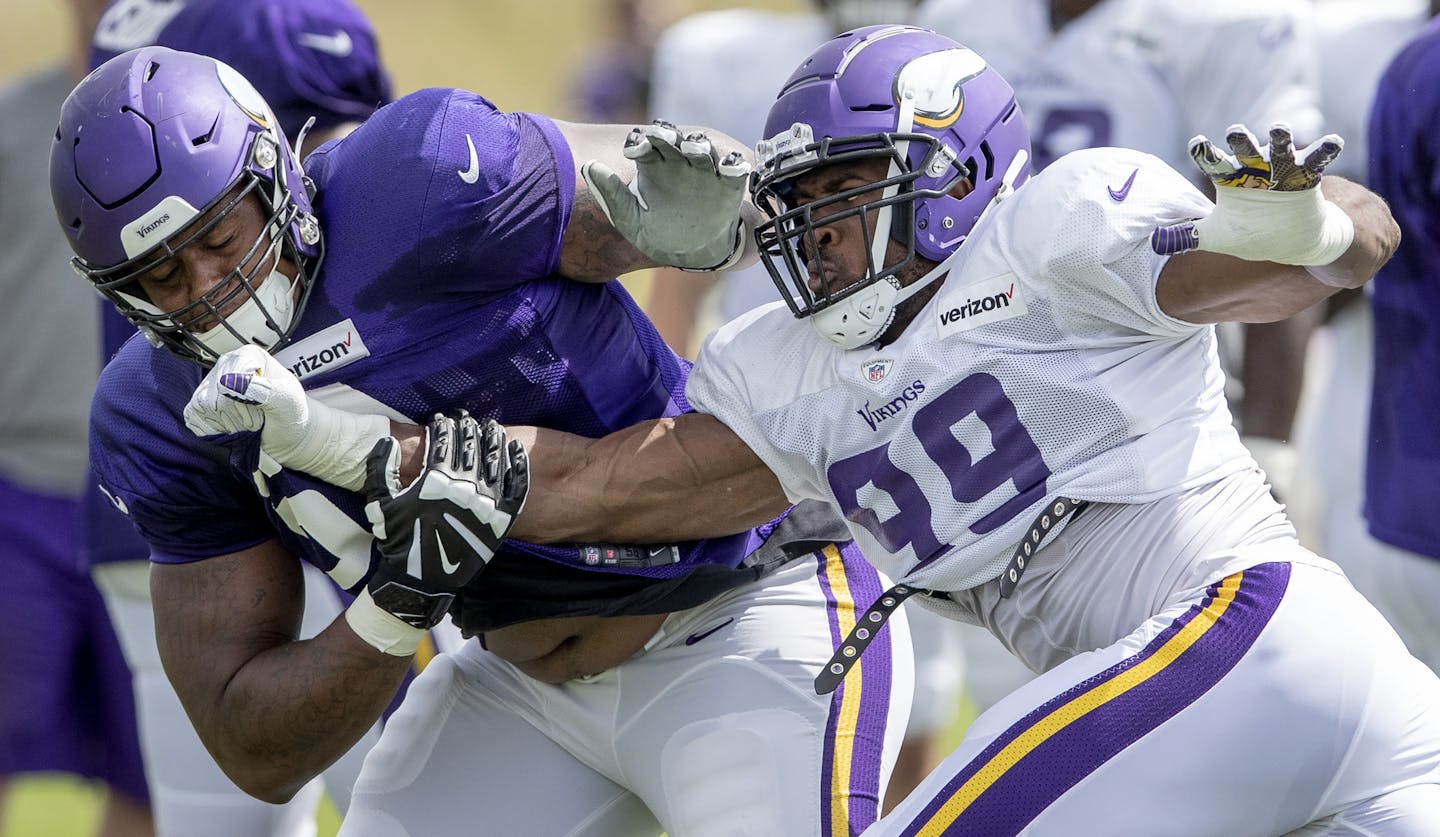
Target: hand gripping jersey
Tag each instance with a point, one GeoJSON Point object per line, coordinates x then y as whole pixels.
{"type": "Point", "coordinates": [443, 220]}
{"type": "Point", "coordinates": [1043, 368]}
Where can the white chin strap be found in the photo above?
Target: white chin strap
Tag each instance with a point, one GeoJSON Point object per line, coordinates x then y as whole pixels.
{"type": "Point", "coordinates": [274, 294]}
{"type": "Point", "coordinates": [249, 321]}
{"type": "Point", "coordinates": [860, 319]}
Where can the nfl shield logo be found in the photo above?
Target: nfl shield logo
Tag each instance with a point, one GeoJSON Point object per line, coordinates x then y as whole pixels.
{"type": "Point", "coordinates": [876, 370]}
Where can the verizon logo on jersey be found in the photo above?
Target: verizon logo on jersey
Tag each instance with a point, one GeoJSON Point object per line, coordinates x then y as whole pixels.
{"type": "Point", "coordinates": [324, 351]}
{"type": "Point", "coordinates": [979, 303]}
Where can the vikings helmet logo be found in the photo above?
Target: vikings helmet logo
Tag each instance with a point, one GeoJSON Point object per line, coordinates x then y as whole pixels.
{"type": "Point", "coordinates": [935, 80]}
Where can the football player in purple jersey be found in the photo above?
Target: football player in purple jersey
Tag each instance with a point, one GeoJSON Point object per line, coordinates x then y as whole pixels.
{"type": "Point", "coordinates": [444, 255]}
{"type": "Point", "coordinates": [311, 59]}
{"type": "Point", "coordinates": [1402, 462]}
{"type": "Point", "coordinates": [1008, 384]}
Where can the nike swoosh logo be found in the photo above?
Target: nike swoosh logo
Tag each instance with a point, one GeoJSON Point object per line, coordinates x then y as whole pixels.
{"type": "Point", "coordinates": [114, 499]}
{"type": "Point", "coordinates": [338, 45]}
{"type": "Point", "coordinates": [450, 567]}
{"type": "Point", "coordinates": [1124, 191]}
{"type": "Point", "coordinates": [694, 638]}
{"type": "Point", "coordinates": [472, 173]}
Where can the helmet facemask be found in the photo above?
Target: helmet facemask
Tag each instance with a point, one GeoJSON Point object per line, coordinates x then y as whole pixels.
{"type": "Point", "coordinates": [790, 234]}
{"type": "Point", "coordinates": [260, 299]}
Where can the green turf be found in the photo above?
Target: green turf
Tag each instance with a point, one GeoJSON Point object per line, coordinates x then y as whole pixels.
{"type": "Point", "coordinates": [62, 806]}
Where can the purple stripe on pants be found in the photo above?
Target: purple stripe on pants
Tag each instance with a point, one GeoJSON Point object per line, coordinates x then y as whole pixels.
{"type": "Point", "coordinates": [1080, 745]}
{"type": "Point", "coordinates": [860, 707]}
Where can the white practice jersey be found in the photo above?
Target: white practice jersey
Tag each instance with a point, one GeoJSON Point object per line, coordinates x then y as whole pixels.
{"type": "Point", "coordinates": [1145, 74]}
{"type": "Point", "coordinates": [1044, 367]}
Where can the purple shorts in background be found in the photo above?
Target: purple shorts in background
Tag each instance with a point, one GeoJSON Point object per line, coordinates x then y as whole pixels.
{"type": "Point", "coordinates": [66, 702]}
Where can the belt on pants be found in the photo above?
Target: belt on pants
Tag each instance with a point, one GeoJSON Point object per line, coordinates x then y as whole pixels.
{"type": "Point", "coordinates": [884, 607]}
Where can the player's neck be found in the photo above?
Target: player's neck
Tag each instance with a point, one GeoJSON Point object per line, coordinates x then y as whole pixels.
{"type": "Point", "coordinates": [1063, 12]}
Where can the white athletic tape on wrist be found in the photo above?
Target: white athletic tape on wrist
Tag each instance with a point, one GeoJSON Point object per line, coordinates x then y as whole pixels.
{"type": "Point", "coordinates": [381, 629]}
{"type": "Point", "coordinates": [1298, 228]}
{"type": "Point", "coordinates": [337, 445]}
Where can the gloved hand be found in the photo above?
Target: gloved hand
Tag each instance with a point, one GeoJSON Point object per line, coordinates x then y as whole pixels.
{"type": "Point", "coordinates": [1268, 202]}
{"type": "Point", "coordinates": [437, 533]}
{"type": "Point", "coordinates": [683, 207]}
{"type": "Point", "coordinates": [248, 390]}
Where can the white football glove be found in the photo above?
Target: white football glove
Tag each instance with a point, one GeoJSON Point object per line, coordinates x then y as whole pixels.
{"type": "Point", "coordinates": [248, 390]}
{"type": "Point", "coordinates": [1268, 203]}
{"type": "Point", "coordinates": [683, 207]}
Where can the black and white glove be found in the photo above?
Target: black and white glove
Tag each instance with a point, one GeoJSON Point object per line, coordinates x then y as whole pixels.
{"type": "Point", "coordinates": [435, 534]}
{"type": "Point", "coordinates": [1268, 203]}
{"type": "Point", "coordinates": [684, 206]}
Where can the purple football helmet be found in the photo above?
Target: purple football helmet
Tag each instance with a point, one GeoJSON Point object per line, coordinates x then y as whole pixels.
{"type": "Point", "coordinates": [147, 143]}
{"type": "Point", "coordinates": [931, 107]}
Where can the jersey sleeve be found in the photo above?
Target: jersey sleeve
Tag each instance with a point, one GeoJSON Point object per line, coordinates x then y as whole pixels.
{"type": "Point", "coordinates": [726, 384]}
{"type": "Point", "coordinates": [469, 199]}
{"type": "Point", "coordinates": [179, 492]}
{"type": "Point", "coordinates": [1081, 231]}
{"type": "Point", "coordinates": [1239, 62]}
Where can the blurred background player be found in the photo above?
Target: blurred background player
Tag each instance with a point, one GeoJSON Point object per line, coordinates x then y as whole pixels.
{"type": "Point", "coordinates": [1402, 463]}
{"type": "Point", "coordinates": [309, 58]}
{"type": "Point", "coordinates": [1331, 429]}
{"type": "Point", "coordinates": [65, 695]}
{"type": "Point", "coordinates": [1148, 75]}
{"type": "Point", "coordinates": [722, 69]}
{"type": "Point", "coordinates": [612, 83]}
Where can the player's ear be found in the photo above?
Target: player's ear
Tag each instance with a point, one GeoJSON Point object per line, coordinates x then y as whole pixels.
{"type": "Point", "coordinates": [962, 187]}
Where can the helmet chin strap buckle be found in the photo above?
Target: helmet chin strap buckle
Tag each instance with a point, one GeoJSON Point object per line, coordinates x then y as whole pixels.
{"type": "Point", "coordinates": [1012, 173]}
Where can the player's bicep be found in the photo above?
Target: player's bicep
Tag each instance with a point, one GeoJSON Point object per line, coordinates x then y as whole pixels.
{"type": "Point", "coordinates": [213, 616]}
{"type": "Point", "coordinates": [591, 248]}
{"type": "Point", "coordinates": [670, 479]}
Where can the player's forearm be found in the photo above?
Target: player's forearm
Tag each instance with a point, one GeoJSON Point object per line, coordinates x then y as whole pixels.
{"type": "Point", "coordinates": [297, 708]}
{"type": "Point", "coordinates": [1376, 235]}
{"type": "Point", "coordinates": [663, 480]}
{"type": "Point", "coordinates": [272, 711]}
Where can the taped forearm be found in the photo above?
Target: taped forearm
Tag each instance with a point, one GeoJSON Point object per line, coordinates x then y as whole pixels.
{"type": "Point", "coordinates": [1375, 238]}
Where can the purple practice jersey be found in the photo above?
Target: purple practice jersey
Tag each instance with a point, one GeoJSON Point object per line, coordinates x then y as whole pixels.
{"type": "Point", "coordinates": [307, 58]}
{"type": "Point", "coordinates": [1402, 468]}
{"type": "Point", "coordinates": [443, 220]}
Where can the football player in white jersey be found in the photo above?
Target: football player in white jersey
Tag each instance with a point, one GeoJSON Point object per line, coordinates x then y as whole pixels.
{"type": "Point", "coordinates": [1010, 387]}
{"type": "Point", "coordinates": [755, 50]}
{"type": "Point", "coordinates": [1148, 75]}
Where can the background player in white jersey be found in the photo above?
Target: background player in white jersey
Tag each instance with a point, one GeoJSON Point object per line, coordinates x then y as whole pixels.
{"type": "Point", "coordinates": [754, 50]}
{"type": "Point", "coordinates": [443, 255]}
{"type": "Point", "coordinates": [310, 59]}
{"type": "Point", "coordinates": [1148, 75]}
{"type": "Point", "coordinates": [977, 357]}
